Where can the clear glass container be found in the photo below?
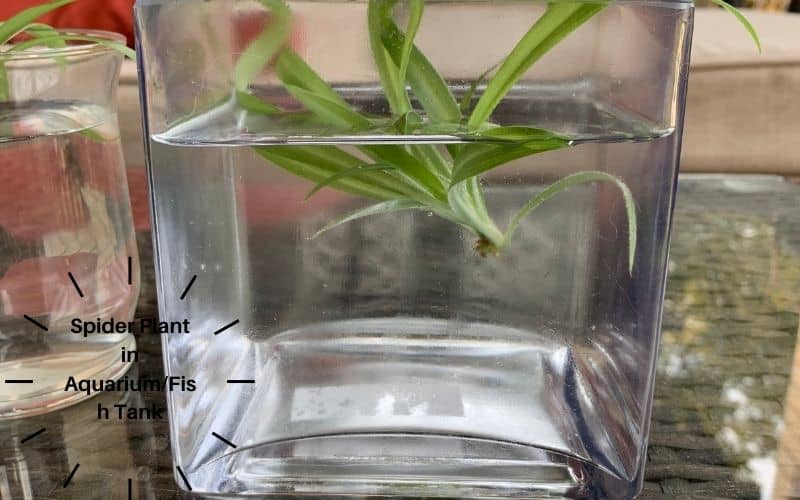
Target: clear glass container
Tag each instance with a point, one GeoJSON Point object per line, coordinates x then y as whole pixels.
{"type": "Point", "coordinates": [65, 216]}
{"type": "Point", "coordinates": [408, 352]}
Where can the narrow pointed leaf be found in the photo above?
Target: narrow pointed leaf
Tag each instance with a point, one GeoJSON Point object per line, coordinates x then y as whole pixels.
{"type": "Point", "coordinates": [428, 85]}
{"type": "Point", "coordinates": [46, 41]}
{"type": "Point", "coordinates": [438, 101]}
{"type": "Point", "coordinates": [583, 178]}
{"type": "Point", "coordinates": [466, 99]}
{"type": "Point", "coordinates": [430, 156]}
{"type": "Point", "coordinates": [256, 56]}
{"type": "Point", "coordinates": [407, 56]}
{"type": "Point", "coordinates": [415, 10]}
{"type": "Point", "coordinates": [377, 209]}
{"type": "Point", "coordinates": [332, 159]}
{"type": "Point", "coordinates": [742, 19]}
{"type": "Point", "coordinates": [559, 20]}
{"type": "Point", "coordinates": [475, 159]}
{"type": "Point", "coordinates": [394, 86]}
{"type": "Point", "coordinates": [253, 104]}
{"type": "Point", "coordinates": [515, 133]}
{"type": "Point", "coordinates": [41, 30]}
{"type": "Point", "coordinates": [485, 158]}
{"type": "Point", "coordinates": [331, 111]}
{"type": "Point", "coordinates": [408, 123]}
{"type": "Point", "coordinates": [19, 21]}
{"type": "Point", "coordinates": [318, 163]}
{"type": "Point", "coordinates": [410, 167]}
{"type": "Point", "coordinates": [350, 172]}
{"type": "Point", "coordinates": [293, 70]}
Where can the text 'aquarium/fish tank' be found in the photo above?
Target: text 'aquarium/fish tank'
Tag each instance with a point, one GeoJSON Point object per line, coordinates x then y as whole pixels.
{"type": "Point", "coordinates": [421, 244]}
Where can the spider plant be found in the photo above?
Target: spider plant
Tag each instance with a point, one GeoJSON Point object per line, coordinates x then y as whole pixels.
{"type": "Point", "coordinates": [28, 34]}
{"type": "Point", "coordinates": [441, 180]}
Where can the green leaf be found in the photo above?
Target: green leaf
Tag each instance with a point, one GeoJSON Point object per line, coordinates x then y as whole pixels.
{"type": "Point", "coordinates": [415, 10]}
{"type": "Point", "coordinates": [331, 111]}
{"type": "Point", "coordinates": [265, 46]}
{"type": "Point", "coordinates": [583, 178]}
{"type": "Point", "coordinates": [466, 99]}
{"type": "Point", "coordinates": [442, 128]}
{"type": "Point", "coordinates": [430, 156]}
{"type": "Point", "coordinates": [9, 29]}
{"type": "Point", "coordinates": [408, 123]}
{"type": "Point", "coordinates": [293, 70]}
{"type": "Point", "coordinates": [515, 134]}
{"type": "Point", "coordinates": [350, 172]}
{"type": "Point", "coordinates": [742, 19]}
{"type": "Point", "coordinates": [432, 92]}
{"type": "Point", "coordinates": [425, 81]}
{"type": "Point", "coordinates": [480, 159]}
{"type": "Point", "coordinates": [45, 41]}
{"type": "Point", "coordinates": [377, 209]}
{"type": "Point", "coordinates": [318, 163]}
{"type": "Point", "coordinates": [412, 169]}
{"type": "Point", "coordinates": [308, 87]}
{"type": "Point", "coordinates": [417, 176]}
{"type": "Point", "coordinates": [475, 159]}
{"type": "Point", "coordinates": [385, 35]}
{"type": "Point", "coordinates": [559, 20]}
{"type": "Point", "coordinates": [253, 104]}
{"type": "Point", "coordinates": [437, 100]}
{"type": "Point", "coordinates": [41, 30]}
{"type": "Point", "coordinates": [93, 135]}
{"type": "Point", "coordinates": [464, 204]}
{"type": "Point", "coordinates": [393, 83]}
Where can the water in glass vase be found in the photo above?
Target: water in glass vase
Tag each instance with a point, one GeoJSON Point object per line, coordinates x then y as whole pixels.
{"type": "Point", "coordinates": [388, 348]}
{"type": "Point", "coordinates": [64, 210]}
{"type": "Point", "coordinates": [419, 349]}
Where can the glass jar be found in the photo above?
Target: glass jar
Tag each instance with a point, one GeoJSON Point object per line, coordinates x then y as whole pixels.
{"type": "Point", "coordinates": [341, 345]}
{"type": "Point", "coordinates": [66, 237]}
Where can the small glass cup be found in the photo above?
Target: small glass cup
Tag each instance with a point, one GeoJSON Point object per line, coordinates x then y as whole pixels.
{"type": "Point", "coordinates": [67, 245]}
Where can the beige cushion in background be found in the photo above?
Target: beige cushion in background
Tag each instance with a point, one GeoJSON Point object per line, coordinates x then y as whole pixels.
{"type": "Point", "coordinates": [743, 110]}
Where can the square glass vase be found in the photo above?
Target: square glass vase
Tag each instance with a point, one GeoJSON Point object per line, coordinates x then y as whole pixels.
{"type": "Point", "coordinates": [421, 245]}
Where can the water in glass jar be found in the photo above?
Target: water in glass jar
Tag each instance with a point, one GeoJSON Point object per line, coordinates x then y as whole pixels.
{"type": "Point", "coordinates": [64, 209]}
{"type": "Point", "coordinates": [386, 355]}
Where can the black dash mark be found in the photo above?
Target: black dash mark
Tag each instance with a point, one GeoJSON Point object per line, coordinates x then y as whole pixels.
{"type": "Point", "coordinates": [130, 270]}
{"type": "Point", "coordinates": [33, 435]}
{"type": "Point", "coordinates": [35, 322]}
{"type": "Point", "coordinates": [18, 381]}
{"type": "Point", "coordinates": [186, 290]}
{"type": "Point", "coordinates": [241, 381]}
{"type": "Point", "coordinates": [183, 476]}
{"type": "Point", "coordinates": [130, 489]}
{"type": "Point", "coordinates": [69, 478]}
{"type": "Point", "coordinates": [75, 283]}
{"type": "Point", "coordinates": [223, 440]}
{"type": "Point", "coordinates": [229, 325]}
